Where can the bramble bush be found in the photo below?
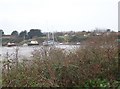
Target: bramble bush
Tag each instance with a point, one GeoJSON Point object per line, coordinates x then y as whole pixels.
{"type": "Point", "coordinates": [92, 65]}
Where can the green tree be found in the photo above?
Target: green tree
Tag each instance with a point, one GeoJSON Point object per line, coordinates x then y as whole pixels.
{"type": "Point", "coordinates": [23, 34]}
{"type": "Point", "coordinates": [14, 33]}
{"type": "Point", "coordinates": [74, 39]}
{"type": "Point", "coordinates": [108, 30]}
{"type": "Point", "coordinates": [2, 32]}
{"type": "Point", "coordinates": [60, 39]}
{"type": "Point", "coordinates": [34, 33]}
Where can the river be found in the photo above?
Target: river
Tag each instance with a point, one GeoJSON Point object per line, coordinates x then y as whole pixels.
{"type": "Point", "coordinates": [25, 51]}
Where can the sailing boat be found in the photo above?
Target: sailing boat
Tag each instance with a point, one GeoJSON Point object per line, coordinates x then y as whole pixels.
{"type": "Point", "coordinates": [49, 42]}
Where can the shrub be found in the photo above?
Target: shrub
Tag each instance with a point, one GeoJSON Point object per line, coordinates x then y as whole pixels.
{"type": "Point", "coordinates": [92, 65]}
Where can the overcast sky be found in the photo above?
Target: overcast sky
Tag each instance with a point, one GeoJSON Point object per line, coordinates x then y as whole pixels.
{"type": "Point", "coordinates": [58, 15]}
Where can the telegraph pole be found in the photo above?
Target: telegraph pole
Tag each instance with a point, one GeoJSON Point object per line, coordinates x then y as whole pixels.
{"type": "Point", "coordinates": [1, 57]}
{"type": "Point", "coordinates": [118, 41]}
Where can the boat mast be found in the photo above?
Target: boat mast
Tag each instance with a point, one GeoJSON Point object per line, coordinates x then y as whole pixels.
{"type": "Point", "coordinates": [48, 36]}
{"type": "Point", "coordinates": [53, 37]}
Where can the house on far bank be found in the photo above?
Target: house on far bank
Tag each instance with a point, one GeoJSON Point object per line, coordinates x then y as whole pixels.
{"type": "Point", "coordinates": [8, 37]}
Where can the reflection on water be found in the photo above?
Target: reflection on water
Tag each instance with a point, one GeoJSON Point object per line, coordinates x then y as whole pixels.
{"type": "Point", "coordinates": [25, 52]}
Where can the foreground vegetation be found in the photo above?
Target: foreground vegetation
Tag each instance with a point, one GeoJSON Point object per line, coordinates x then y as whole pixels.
{"type": "Point", "coordinates": [93, 65]}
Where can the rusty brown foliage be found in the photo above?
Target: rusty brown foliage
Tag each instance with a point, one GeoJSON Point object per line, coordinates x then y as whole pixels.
{"type": "Point", "coordinates": [96, 58]}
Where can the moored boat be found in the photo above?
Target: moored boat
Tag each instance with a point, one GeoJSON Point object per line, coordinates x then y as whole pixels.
{"type": "Point", "coordinates": [33, 43]}
{"type": "Point", "coordinates": [11, 44]}
{"type": "Point", "coordinates": [48, 43]}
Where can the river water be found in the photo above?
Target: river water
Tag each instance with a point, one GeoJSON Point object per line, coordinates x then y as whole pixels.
{"type": "Point", "coordinates": [26, 51]}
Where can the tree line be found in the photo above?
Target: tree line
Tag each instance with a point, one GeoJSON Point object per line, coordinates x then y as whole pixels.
{"type": "Point", "coordinates": [27, 35]}
{"type": "Point", "coordinates": [70, 36]}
